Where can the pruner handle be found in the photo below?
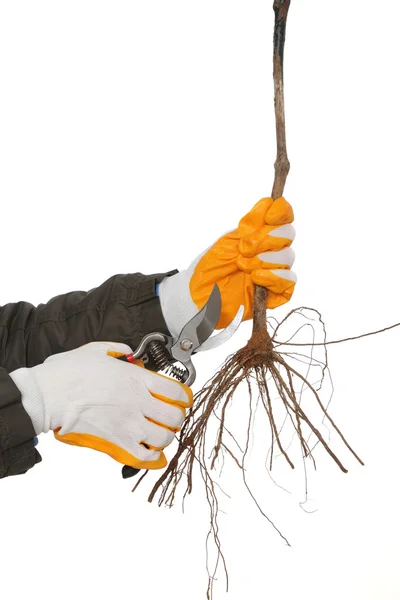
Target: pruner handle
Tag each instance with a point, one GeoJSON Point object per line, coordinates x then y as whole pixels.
{"type": "Point", "coordinates": [186, 375]}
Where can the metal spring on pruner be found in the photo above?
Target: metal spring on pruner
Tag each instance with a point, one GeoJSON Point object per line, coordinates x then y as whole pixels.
{"type": "Point", "coordinates": [161, 358]}
{"type": "Point", "coordinates": [176, 372]}
{"type": "Point", "coordinates": [159, 354]}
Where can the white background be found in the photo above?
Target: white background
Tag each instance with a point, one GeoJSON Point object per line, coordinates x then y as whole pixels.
{"type": "Point", "coordinates": [132, 134]}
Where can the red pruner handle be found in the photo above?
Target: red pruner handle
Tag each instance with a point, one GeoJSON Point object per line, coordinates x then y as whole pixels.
{"type": "Point", "coordinates": [127, 358]}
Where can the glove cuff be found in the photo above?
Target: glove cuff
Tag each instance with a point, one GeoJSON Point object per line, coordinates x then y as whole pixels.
{"type": "Point", "coordinates": [31, 397]}
{"type": "Point", "coordinates": [176, 302]}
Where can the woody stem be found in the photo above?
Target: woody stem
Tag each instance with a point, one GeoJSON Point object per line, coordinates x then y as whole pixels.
{"type": "Point", "coordinates": [282, 165]}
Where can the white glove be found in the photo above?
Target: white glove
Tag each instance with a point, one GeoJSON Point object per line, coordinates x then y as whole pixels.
{"type": "Point", "coordinates": [88, 398]}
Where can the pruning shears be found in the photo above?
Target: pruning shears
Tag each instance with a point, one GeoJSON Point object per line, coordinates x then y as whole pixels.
{"type": "Point", "coordinates": [194, 337]}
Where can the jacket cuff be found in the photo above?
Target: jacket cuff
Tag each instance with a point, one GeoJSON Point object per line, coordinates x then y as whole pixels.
{"type": "Point", "coordinates": [148, 303]}
{"type": "Point", "coordinates": [31, 396]}
{"type": "Point", "coordinates": [17, 445]}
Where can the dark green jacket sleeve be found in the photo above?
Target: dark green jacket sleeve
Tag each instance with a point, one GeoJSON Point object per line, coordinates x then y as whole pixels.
{"type": "Point", "coordinates": [123, 309]}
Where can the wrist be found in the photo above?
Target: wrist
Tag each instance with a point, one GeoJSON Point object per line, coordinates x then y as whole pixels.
{"type": "Point", "coordinates": [31, 397]}
{"type": "Point", "coordinates": [176, 302]}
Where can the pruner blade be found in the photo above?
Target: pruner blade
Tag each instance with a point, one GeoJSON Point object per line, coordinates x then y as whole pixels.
{"type": "Point", "coordinates": [195, 336]}
{"type": "Point", "coordinates": [224, 335]}
{"type": "Point", "coordinates": [199, 328]}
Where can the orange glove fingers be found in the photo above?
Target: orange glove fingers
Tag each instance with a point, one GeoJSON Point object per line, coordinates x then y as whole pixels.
{"type": "Point", "coordinates": [265, 212]}
{"type": "Point", "coordinates": [279, 213]}
{"type": "Point", "coordinates": [283, 259]}
{"type": "Point", "coordinates": [282, 284]}
{"type": "Point", "coordinates": [275, 300]}
{"type": "Point", "coordinates": [255, 219]}
{"type": "Point", "coordinates": [267, 238]}
{"type": "Point", "coordinates": [85, 440]}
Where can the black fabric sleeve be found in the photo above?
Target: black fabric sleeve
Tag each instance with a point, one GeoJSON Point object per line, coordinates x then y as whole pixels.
{"type": "Point", "coordinates": [17, 451]}
{"type": "Point", "coordinates": [123, 309]}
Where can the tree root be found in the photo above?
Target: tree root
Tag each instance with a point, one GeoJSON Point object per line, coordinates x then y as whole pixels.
{"type": "Point", "coordinates": [278, 387]}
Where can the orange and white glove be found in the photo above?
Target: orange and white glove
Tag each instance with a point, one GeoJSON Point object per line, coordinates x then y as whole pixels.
{"type": "Point", "coordinates": [88, 398]}
{"type": "Point", "coordinates": [257, 252]}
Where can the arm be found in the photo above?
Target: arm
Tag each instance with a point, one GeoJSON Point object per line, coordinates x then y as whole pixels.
{"type": "Point", "coordinates": [123, 309]}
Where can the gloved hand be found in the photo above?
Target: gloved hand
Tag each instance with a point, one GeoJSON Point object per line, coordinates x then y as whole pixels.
{"type": "Point", "coordinates": [89, 398]}
{"type": "Point", "coordinates": [257, 252]}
